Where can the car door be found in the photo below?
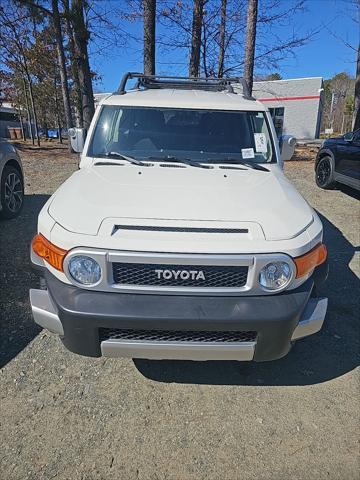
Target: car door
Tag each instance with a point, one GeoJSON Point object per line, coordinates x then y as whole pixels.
{"type": "Point", "coordinates": [355, 157]}
{"type": "Point", "coordinates": [348, 153]}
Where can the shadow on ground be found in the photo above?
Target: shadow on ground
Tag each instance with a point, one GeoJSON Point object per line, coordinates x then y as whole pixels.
{"type": "Point", "coordinates": [17, 328]}
{"type": "Point", "coordinates": [329, 354]}
{"type": "Point", "coordinates": [46, 145]}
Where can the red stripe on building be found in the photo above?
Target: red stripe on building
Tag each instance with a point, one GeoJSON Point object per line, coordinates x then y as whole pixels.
{"type": "Point", "coordinates": [286, 99]}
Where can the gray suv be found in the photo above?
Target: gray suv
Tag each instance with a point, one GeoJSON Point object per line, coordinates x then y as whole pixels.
{"type": "Point", "coordinates": [11, 181]}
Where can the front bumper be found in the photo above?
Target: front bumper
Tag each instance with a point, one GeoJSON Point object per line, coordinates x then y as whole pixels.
{"type": "Point", "coordinates": [78, 316]}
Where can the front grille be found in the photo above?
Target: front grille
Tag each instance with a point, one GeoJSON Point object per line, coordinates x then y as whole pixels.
{"type": "Point", "coordinates": [176, 336]}
{"type": "Point", "coordinates": [179, 275]}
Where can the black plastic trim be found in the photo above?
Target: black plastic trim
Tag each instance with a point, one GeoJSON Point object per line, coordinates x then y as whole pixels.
{"type": "Point", "coordinates": [84, 312]}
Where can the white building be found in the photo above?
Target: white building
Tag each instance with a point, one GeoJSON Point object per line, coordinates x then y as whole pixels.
{"type": "Point", "coordinates": [295, 104]}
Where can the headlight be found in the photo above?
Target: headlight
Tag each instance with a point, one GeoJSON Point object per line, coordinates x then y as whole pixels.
{"type": "Point", "coordinates": [84, 269]}
{"type": "Point", "coordinates": [275, 275]}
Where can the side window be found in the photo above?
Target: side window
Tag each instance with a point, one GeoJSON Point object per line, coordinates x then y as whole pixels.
{"type": "Point", "coordinates": [357, 136]}
{"type": "Point", "coordinates": [104, 130]}
{"type": "Point", "coordinates": [259, 126]}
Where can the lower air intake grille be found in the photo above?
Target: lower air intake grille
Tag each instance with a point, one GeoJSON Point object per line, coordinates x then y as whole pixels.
{"type": "Point", "coordinates": [180, 275]}
{"type": "Point", "coordinates": [176, 336]}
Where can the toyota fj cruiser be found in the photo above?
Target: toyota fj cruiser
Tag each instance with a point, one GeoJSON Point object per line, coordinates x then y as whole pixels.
{"type": "Point", "coordinates": [180, 236]}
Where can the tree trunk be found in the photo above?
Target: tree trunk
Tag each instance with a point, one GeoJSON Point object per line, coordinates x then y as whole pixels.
{"type": "Point", "coordinates": [34, 112]}
{"type": "Point", "coordinates": [81, 39]}
{"type": "Point", "coordinates": [204, 52]}
{"type": "Point", "coordinates": [62, 63]}
{"type": "Point", "coordinates": [196, 38]}
{"type": "Point", "coordinates": [222, 38]}
{"type": "Point", "coordinates": [22, 126]}
{"type": "Point", "coordinates": [250, 42]}
{"type": "Point", "coordinates": [57, 111]}
{"type": "Point", "coordinates": [356, 122]}
{"type": "Point", "coordinates": [149, 7]}
{"type": "Point", "coordinates": [28, 112]}
{"type": "Point", "coordinates": [46, 130]}
{"type": "Point", "coordinates": [74, 68]}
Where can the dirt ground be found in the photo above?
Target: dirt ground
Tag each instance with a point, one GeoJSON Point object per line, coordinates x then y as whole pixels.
{"type": "Point", "coordinates": [67, 417]}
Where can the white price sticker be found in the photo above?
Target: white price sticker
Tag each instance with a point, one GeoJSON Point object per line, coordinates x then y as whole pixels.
{"type": "Point", "coordinates": [260, 142]}
{"type": "Point", "coordinates": [247, 153]}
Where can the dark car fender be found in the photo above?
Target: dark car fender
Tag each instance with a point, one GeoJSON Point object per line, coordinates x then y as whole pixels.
{"type": "Point", "coordinates": [323, 152]}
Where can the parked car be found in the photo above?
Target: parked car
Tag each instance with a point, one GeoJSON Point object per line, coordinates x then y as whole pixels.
{"type": "Point", "coordinates": [11, 181]}
{"type": "Point", "coordinates": [180, 236]}
{"type": "Point", "coordinates": [338, 161]}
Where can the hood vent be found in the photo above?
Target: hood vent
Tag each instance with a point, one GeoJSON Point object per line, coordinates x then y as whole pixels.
{"type": "Point", "coordinates": [178, 229]}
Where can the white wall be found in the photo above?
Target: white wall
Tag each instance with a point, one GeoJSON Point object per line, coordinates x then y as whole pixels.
{"type": "Point", "coordinates": [302, 115]}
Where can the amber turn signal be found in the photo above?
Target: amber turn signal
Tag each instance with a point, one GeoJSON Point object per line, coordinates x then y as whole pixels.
{"type": "Point", "coordinates": [306, 263]}
{"type": "Point", "coordinates": [49, 252]}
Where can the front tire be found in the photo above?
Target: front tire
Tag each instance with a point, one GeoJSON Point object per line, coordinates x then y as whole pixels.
{"type": "Point", "coordinates": [324, 173]}
{"type": "Point", "coordinates": [11, 192]}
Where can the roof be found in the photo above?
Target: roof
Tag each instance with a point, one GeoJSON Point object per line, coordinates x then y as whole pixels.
{"type": "Point", "coordinates": [176, 98]}
{"type": "Point", "coordinates": [296, 87]}
{"type": "Point", "coordinates": [288, 80]}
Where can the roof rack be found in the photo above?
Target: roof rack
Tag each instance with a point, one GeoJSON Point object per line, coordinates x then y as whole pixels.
{"type": "Point", "coordinates": [183, 83]}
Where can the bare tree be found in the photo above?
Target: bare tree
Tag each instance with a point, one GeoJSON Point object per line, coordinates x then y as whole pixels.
{"type": "Point", "coordinates": [273, 42]}
{"type": "Point", "coordinates": [198, 11]}
{"type": "Point", "coordinates": [81, 40]}
{"type": "Point", "coordinates": [62, 63]}
{"type": "Point", "coordinates": [252, 14]}
{"type": "Point", "coordinates": [357, 94]}
{"type": "Point", "coordinates": [74, 66]}
{"type": "Point", "coordinates": [222, 31]}
{"type": "Point", "coordinates": [54, 16]}
{"type": "Point", "coordinates": [28, 112]}
{"type": "Point", "coordinates": [149, 9]}
{"type": "Point", "coordinates": [352, 11]}
{"type": "Point", "coordinates": [14, 35]}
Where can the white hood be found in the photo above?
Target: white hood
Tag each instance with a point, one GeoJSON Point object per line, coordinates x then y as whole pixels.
{"type": "Point", "coordinates": [212, 196]}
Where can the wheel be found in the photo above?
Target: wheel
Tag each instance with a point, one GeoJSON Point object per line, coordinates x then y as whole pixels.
{"type": "Point", "coordinates": [324, 173]}
{"type": "Point", "coordinates": [11, 192]}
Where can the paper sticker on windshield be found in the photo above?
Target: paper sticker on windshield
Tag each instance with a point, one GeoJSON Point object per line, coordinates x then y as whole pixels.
{"type": "Point", "coordinates": [260, 142]}
{"type": "Point", "coordinates": [247, 153]}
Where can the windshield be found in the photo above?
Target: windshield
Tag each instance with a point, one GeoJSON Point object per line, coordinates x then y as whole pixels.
{"type": "Point", "coordinates": [200, 135]}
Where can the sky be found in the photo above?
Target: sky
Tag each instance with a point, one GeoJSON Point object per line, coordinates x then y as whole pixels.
{"type": "Point", "coordinates": [324, 56]}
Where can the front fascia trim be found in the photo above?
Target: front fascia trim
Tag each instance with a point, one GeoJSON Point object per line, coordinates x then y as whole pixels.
{"type": "Point", "coordinates": [255, 262]}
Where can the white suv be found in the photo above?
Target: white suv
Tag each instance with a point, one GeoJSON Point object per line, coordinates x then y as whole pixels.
{"type": "Point", "coordinates": [180, 236]}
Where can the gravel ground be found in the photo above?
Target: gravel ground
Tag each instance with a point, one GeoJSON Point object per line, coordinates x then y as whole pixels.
{"type": "Point", "coordinates": [69, 417]}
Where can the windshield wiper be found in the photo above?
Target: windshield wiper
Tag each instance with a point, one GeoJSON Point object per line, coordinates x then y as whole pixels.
{"type": "Point", "coordinates": [255, 166]}
{"type": "Point", "coordinates": [186, 161]}
{"type": "Point", "coordinates": [121, 156]}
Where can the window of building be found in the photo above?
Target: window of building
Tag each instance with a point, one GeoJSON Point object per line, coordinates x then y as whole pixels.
{"type": "Point", "coordinates": [9, 117]}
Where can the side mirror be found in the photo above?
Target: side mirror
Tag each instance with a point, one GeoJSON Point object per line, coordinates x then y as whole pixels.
{"type": "Point", "coordinates": [348, 137]}
{"type": "Point", "coordinates": [77, 138]}
{"type": "Point", "coordinates": [287, 144]}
